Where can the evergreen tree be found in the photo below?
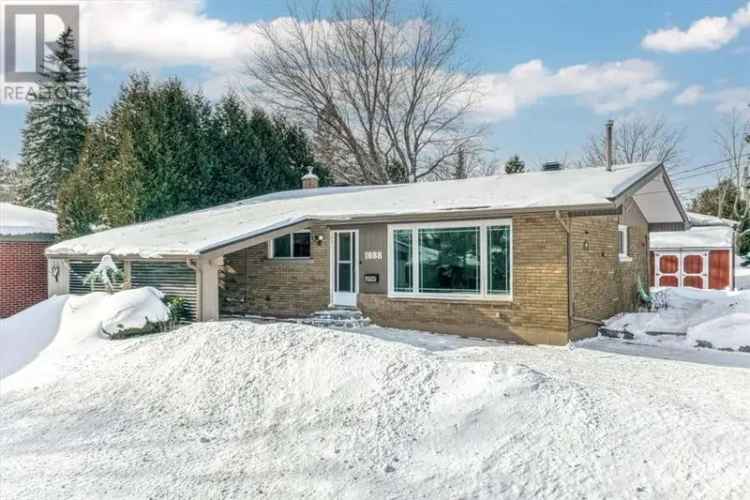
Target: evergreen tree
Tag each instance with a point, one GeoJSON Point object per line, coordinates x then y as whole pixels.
{"type": "Point", "coordinates": [7, 182]}
{"type": "Point", "coordinates": [723, 201]}
{"type": "Point", "coordinates": [55, 127]}
{"type": "Point", "coordinates": [79, 211]}
{"type": "Point", "coordinates": [515, 165]}
{"type": "Point", "coordinates": [163, 150]}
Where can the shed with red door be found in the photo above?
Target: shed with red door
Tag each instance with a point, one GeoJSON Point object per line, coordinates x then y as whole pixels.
{"type": "Point", "coordinates": [701, 257]}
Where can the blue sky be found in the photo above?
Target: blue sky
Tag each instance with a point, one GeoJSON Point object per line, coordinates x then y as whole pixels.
{"type": "Point", "coordinates": [558, 69]}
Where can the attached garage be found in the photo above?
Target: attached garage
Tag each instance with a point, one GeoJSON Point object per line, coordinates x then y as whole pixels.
{"type": "Point", "coordinates": [701, 257]}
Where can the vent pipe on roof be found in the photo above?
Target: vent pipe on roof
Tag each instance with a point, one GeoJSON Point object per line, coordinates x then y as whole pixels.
{"type": "Point", "coordinates": [310, 180]}
{"type": "Point", "coordinates": [610, 161]}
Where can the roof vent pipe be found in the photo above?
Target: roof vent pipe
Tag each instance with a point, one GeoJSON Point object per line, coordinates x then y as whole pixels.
{"type": "Point", "coordinates": [610, 161]}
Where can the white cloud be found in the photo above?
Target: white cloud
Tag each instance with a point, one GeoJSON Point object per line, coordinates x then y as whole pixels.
{"type": "Point", "coordinates": [732, 98]}
{"type": "Point", "coordinates": [174, 33]}
{"type": "Point", "coordinates": [723, 100]}
{"type": "Point", "coordinates": [167, 33]}
{"type": "Point", "coordinates": [604, 87]}
{"type": "Point", "coordinates": [708, 33]}
{"type": "Point", "coordinates": [689, 96]}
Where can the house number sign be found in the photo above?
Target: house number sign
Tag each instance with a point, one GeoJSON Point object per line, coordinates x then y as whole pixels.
{"type": "Point", "coordinates": [373, 255]}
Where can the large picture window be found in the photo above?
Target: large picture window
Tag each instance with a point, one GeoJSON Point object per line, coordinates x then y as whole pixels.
{"type": "Point", "coordinates": [291, 246]}
{"type": "Point", "coordinates": [449, 260]}
{"type": "Point", "coordinates": [452, 259]}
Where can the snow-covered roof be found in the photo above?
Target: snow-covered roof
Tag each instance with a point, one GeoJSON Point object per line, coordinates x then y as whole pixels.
{"type": "Point", "coordinates": [697, 219]}
{"type": "Point", "coordinates": [201, 231]}
{"type": "Point", "coordinates": [695, 237]}
{"type": "Point", "coordinates": [20, 221]}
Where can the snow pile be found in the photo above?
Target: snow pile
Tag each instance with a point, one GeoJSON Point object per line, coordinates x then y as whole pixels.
{"type": "Point", "coordinates": [16, 221]}
{"type": "Point", "coordinates": [64, 321]}
{"type": "Point", "coordinates": [695, 237]}
{"type": "Point", "coordinates": [239, 410]}
{"type": "Point", "coordinates": [741, 274]}
{"type": "Point", "coordinates": [720, 318]}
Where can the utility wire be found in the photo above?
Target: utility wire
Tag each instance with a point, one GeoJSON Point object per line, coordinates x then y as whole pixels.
{"type": "Point", "coordinates": [679, 172]}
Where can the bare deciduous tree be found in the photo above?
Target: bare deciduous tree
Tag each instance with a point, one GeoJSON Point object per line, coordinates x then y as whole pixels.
{"type": "Point", "coordinates": [637, 140]}
{"type": "Point", "coordinates": [730, 140]}
{"type": "Point", "coordinates": [387, 97]}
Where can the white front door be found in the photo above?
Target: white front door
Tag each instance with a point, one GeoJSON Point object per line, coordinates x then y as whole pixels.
{"type": "Point", "coordinates": [344, 268]}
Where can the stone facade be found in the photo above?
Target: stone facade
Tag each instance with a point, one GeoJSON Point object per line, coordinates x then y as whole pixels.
{"type": "Point", "coordinates": [538, 312]}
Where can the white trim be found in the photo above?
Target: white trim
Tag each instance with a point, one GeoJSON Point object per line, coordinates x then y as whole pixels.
{"type": "Point", "coordinates": [333, 251]}
{"type": "Point", "coordinates": [483, 294]}
{"type": "Point", "coordinates": [625, 231]}
{"type": "Point", "coordinates": [291, 246]}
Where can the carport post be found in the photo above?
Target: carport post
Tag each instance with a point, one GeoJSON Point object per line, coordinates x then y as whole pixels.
{"type": "Point", "coordinates": [209, 290]}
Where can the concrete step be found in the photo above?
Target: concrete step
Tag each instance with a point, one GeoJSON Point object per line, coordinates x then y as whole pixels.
{"type": "Point", "coordinates": [339, 317]}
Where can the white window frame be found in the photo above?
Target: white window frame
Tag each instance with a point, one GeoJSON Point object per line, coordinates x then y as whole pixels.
{"type": "Point", "coordinates": [625, 231]}
{"type": "Point", "coordinates": [291, 236]}
{"type": "Point", "coordinates": [483, 295]}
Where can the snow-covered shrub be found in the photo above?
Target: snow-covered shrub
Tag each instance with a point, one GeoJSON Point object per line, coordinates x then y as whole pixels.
{"type": "Point", "coordinates": [178, 310]}
{"type": "Point", "coordinates": [134, 312]}
{"type": "Point", "coordinates": [105, 273]}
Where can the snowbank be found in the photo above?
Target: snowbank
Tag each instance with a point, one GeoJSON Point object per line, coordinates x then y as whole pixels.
{"type": "Point", "coordinates": [66, 320]}
{"type": "Point", "coordinates": [717, 317]}
{"type": "Point", "coordinates": [741, 274]}
{"type": "Point", "coordinates": [15, 221]}
{"type": "Point", "coordinates": [242, 410]}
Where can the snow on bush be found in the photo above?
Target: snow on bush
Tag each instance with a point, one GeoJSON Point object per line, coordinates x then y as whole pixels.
{"type": "Point", "coordinates": [105, 273]}
{"type": "Point", "coordinates": [132, 310]}
{"type": "Point", "coordinates": [66, 320]}
{"type": "Point", "coordinates": [717, 318]}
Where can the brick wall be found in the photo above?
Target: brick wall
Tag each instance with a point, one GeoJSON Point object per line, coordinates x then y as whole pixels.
{"type": "Point", "coordinates": [602, 285]}
{"type": "Point", "coordinates": [283, 288]}
{"type": "Point", "coordinates": [539, 310]}
{"type": "Point", "coordinates": [537, 314]}
{"type": "Point", "coordinates": [23, 275]}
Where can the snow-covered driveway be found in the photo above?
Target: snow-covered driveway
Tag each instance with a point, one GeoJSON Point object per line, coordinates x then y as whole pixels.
{"type": "Point", "coordinates": [239, 410]}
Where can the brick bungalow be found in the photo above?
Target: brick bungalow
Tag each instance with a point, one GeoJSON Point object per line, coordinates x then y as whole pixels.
{"type": "Point", "coordinates": [24, 235]}
{"type": "Point", "coordinates": [537, 257]}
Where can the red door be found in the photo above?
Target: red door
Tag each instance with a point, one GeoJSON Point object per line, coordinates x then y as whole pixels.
{"type": "Point", "coordinates": [719, 270]}
{"type": "Point", "coordinates": [667, 269]}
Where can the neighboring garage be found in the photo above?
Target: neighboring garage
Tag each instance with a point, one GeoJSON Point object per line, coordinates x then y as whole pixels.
{"type": "Point", "coordinates": [701, 257]}
{"type": "Point", "coordinates": [25, 233]}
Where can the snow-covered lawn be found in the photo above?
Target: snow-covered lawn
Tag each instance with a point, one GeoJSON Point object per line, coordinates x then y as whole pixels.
{"type": "Point", "coordinates": [245, 410]}
{"type": "Point", "coordinates": [713, 318]}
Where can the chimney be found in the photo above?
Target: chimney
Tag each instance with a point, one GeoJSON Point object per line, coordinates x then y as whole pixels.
{"type": "Point", "coordinates": [610, 125]}
{"type": "Point", "coordinates": [551, 166]}
{"type": "Point", "coordinates": [310, 180]}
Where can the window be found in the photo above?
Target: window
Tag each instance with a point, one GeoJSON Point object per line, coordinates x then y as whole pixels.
{"type": "Point", "coordinates": [291, 246]}
{"type": "Point", "coordinates": [622, 243]}
{"type": "Point", "coordinates": [498, 254]}
{"type": "Point", "coordinates": [456, 259]}
{"type": "Point", "coordinates": [449, 260]}
{"type": "Point", "coordinates": [402, 255]}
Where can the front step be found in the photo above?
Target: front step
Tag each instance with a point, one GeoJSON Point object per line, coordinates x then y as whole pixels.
{"type": "Point", "coordinates": [339, 317]}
